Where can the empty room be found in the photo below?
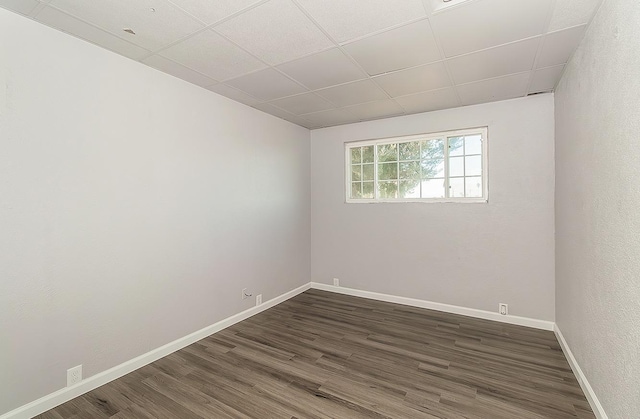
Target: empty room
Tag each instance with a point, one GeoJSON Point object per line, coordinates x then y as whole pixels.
{"type": "Point", "coordinates": [319, 209]}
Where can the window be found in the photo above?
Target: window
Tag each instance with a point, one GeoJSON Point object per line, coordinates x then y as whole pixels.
{"type": "Point", "coordinates": [441, 167]}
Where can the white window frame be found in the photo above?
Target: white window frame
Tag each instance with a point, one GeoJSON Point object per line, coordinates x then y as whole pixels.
{"type": "Point", "coordinates": [483, 131]}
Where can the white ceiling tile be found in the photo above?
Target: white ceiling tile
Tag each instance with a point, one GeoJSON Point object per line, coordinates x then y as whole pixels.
{"type": "Point", "coordinates": [213, 11]}
{"type": "Point", "coordinates": [59, 20]}
{"type": "Point", "coordinates": [304, 103]}
{"type": "Point", "coordinates": [438, 5]}
{"type": "Point", "coordinates": [545, 79]}
{"type": "Point", "coordinates": [392, 40]}
{"type": "Point", "coordinates": [378, 109]}
{"type": "Point", "coordinates": [268, 108]}
{"type": "Point", "coordinates": [429, 5]}
{"type": "Point", "coordinates": [569, 13]}
{"type": "Point", "coordinates": [266, 85]}
{"type": "Point", "coordinates": [167, 66]}
{"type": "Point", "coordinates": [346, 20]}
{"type": "Point", "coordinates": [500, 88]}
{"type": "Point", "coordinates": [494, 62]}
{"type": "Point", "coordinates": [353, 93]}
{"type": "Point", "coordinates": [558, 46]}
{"type": "Point", "coordinates": [323, 69]}
{"type": "Point", "coordinates": [414, 80]}
{"type": "Point", "coordinates": [272, 110]}
{"type": "Point", "coordinates": [276, 31]}
{"type": "Point", "coordinates": [486, 23]}
{"type": "Point", "coordinates": [404, 47]}
{"type": "Point", "coordinates": [331, 117]}
{"type": "Point", "coordinates": [153, 29]}
{"type": "Point", "coordinates": [429, 101]}
{"type": "Point", "coordinates": [20, 6]}
{"type": "Point", "coordinates": [300, 121]}
{"type": "Point", "coordinates": [213, 55]}
{"type": "Point", "coordinates": [233, 93]}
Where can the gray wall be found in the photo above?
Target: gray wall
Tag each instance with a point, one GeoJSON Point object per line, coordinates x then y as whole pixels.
{"type": "Point", "coordinates": [598, 206]}
{"type": "Point", "coordinates": [471, 255]}
{"type": "Point", "coordinates": [134, 207]}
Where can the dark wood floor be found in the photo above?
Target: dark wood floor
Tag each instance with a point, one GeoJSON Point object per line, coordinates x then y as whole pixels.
{"type": "Point", "coordinates": [326, 355]}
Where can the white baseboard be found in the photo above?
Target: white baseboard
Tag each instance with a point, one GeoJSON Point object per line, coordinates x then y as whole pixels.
{"type": "Point", "coordinates": [64, 395]}
{"type": "Point", "coordinates": [447, 308]}
{"type": "Point", "coordinates": [582, 379]}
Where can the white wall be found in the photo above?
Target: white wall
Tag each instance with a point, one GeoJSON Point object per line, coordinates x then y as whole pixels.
{"type": "Point", "coordinates": [598, 206]}
{"type": "Point", "coordinates": [471, 255]}
{"type": "Point", "coordinates": [133, 208]}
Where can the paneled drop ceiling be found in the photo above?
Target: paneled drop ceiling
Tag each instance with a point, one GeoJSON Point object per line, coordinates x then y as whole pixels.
{"type": "Point", "coordinates": [320, 63]}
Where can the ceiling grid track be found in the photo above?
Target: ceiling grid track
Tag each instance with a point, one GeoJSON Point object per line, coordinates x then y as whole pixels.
{"type": "Point", "coordinates": [320, 63]}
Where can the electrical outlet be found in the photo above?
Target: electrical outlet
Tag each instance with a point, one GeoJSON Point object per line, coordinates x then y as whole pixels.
{"type": "Point", "coordinates": [74, 375]}
{"type": "Point", "coordinates": [245, 293]}
{"type": "Point", "coordinates": [336, 282]}
{"type": "Point", "coordinates": [258, 299]}
{"type": "Point", "coordinates": [503, 309]}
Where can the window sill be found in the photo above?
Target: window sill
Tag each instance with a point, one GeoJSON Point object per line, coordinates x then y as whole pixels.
{"type": "Point", "coordinates": [420, 201]}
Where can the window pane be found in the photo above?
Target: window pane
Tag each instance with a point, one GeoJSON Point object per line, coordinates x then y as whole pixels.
{"type": "Point", "coordinates": [474, 187]}
{"type": "Point", "coordinates": [410, 151]}
{"type": "Point", "coordinates": [433, 188]}
{"type": "Point", "coordinates": [432, 168]}
{"type": "Point", "coordinates": [367, 154]}
{"type": "Point", "coordinates": [388, 152]}
{"type": "Point", "coordinates": [409, 189]}
{"type": "Point", "coordinates": [432, 150]}
{"type": "Point", "coordinates": [356, 190]}
{"type": "Point", "coordinates": [473, 144]}
{"type": "Point", "coordinates": [473, 166]}
{"type": "Point", "coordinates": [356, 155]}
{"type": "Point", "coordinates": [367, 172]}
{"type": "Point", "coordinates": [367, 190]}
{"type": "Point", "coordinates": [410, 170]}
{"type": "Point", "coordinates": [388, 171]}
{"type": "Point", "coordinates": [451, 165]}
{"type": "Point", "coordinates": [456, 146]}
{"type": "Point", "coordinates": [387, 190]}
{"type": "Point", "coordinates": [456, 166]}
{"type": "Point", "coordinates": [356, 172]}
{"type": "Point", "coordinates": [456, 187]}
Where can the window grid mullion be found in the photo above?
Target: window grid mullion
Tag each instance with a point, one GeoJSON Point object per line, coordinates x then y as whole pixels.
{"type": "Point", "coordinates": [375, 172]}
{"type": "Point", "coordinates": [446, 166]}
{"type": "Point", "coordinates": [420, 166]}
{"type": "Point", "coordinates": [464, 166]}
{"type": "Point", "coordinates": [447, 193]}
{"type": "Point", "coordinates": [398, 171]}
{"type": "Point", "coordinates": [349, 173]}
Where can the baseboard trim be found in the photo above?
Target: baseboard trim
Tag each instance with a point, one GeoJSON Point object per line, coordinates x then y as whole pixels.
{"type": "Point", "coordinates": [64, 395]}
{"type": "Point", "coordinates": [597, 408]}
{"type": "Point", "coordinates": [447, 308]}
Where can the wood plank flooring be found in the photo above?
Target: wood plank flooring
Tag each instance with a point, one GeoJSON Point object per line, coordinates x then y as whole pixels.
{"type": "Point", "coordinates": [326, 355]}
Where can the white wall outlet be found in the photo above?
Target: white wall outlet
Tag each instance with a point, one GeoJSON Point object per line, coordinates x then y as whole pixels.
{"type": "Point", "coordinates": [74, 375]}
{"type": "Point", "coordinates": [336, 282]}
{"type": "Point", "coordinates": [503, 309]}
{"type": "Point", "coordinates": [245, 293]}
{"type": "Point", "coordinates": [258, 299]}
